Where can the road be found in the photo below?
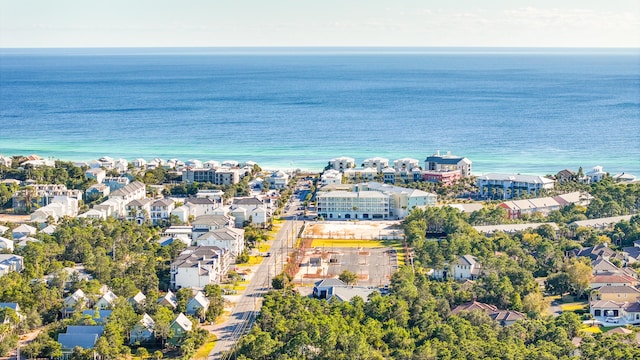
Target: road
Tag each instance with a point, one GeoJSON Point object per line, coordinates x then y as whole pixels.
{"type": "Point", "coordinates": [247, 308]}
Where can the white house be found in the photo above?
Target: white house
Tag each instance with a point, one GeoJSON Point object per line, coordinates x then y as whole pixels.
{"type": "Point", "coordinates": [255, 211]}
{"type": "Point", "coordinates": [139, 210]}
{"type": "Point", "coordinates": [161, 210]}
{"type": "Point", "coordinates": [342, 163]}
{"type": "Point", "coordinates": [330, 177]}
{"type": "Point", "coordinates": [230, 239]}
{"type": "Point", "coordinates": [133, 191]}
{"type": "Point", "coordinates": [6, 244]}
{"type": "Point", "coordinates": [596, 174]}
{"type": "Point", "coordinates": [10, 263]}
{"type": "Point", "coordinates": [139, 163]}
{"type": "Point", "coordinates": [5, 161]}
{"type": "Point", "coordinates": [278, 179]}
{"type": "Point", "coordinates": [198, 266]}
{"type": "Point", "coordinates": [169, 299]}
{"type": "Point", "coordinates": [77, 299]}
{"type": "Point", "coordinates": [106, 301]}
{"type": "Point", "coordinates": [205, 223]}
{"type": "Point", "coordinates": [465, 267]}
{"type": "Point", "coordinates": [358, 175]}
{"type": "Point", "coordinates": [376, 163]}
{"type": "Point", "coordinates": [98, 174]}
{"type": "Point", "coordinates": [59, 207]}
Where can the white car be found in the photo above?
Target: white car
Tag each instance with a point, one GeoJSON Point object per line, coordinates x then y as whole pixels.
{"type": "Point", "coordinates": [613, 320]}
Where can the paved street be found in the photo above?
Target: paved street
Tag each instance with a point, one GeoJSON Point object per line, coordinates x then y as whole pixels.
{"type": "Point", "coordinates": [248, 307]}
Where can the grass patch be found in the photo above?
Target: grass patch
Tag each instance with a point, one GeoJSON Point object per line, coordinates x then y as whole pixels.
{"type": "Point", "coordinates": [573, 306]}
{"type": "Point", "coordinates": [205, 349]}
{"type": "Point", "coordinates": [592, 330]}
{"type": "Point", "coordinates": [278, 221]}
{"type": "Point", "coordinates": [346, 243]}
{"type": "Point", "coordinates": [253, 260]}
{"type": "Point", "coordinates": [263, 247]}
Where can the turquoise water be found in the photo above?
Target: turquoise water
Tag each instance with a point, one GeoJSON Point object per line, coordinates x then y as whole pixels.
{"type": "Point", "coordinates": [526, 111]}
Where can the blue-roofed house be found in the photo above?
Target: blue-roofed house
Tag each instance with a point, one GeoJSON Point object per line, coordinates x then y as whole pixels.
{"type": "Point", "coordinates": [99, 316]}
{"type": "Point", "coordinates": [79, 336]}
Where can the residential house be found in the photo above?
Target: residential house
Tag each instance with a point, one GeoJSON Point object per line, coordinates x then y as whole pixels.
{"type": "Point", "coordinates": [197, 305]}
{"type": "Point", "coordinates": [49, 230]}
{"type": "Point", "coordinates": [97, 191]}
{"type": "Point", "coordinates": [564, 176]}
{"type": "Point", "coordinates": [405, 164]}
{"type": "Point", "coordinates": [342, 163]}
{"type": "Point", "coordinates": [23, 230]}
{"type": "Point", "coordinates": [229, 239]}
{"type": "Point", "coordinates": [6, 245]}
{"type": "Point", "coordinates": [198, 266]}
{"type": "Point", "coordinates": [138, 301]}
{"type": "Point", "coordinates": [448, 163]}
{"type": "Point", "coordinates": [74, 301]}
{"type": "Point", "coordinates": [614, 293]}
{"type": "Point", "coordinates": [94, 214]}
{"type": "Point", "coordinates": [376, 163]}
{"type": "Point", "coordinates": [179, 327]}
{"type": "Point", "coordinates": [217, 176]}
{"type": "Point", "coordinates": [466, 267]}
{"type": "Point", "coordinates": [58, 207]}
{"type": "Point", "coordinates": [3, 229]}
{"type": "Point", "coordinates": [206, 223]}
{"type": "Point", "coordinates": [612, 280]}
{"type": "Point", "coordinates": [79, 336]}
{"type": "Point", "coordinates": [601, 223]}
{"type": "Point", "coordinates": [16, 309]}
{"type": "Point", "coordinates": [255, 211]}
{"type": "Point", "coordinates": [115, 183]}
{"type": "Point", "coordinates": [139, 163]}
{"type": "Point", "coordinates": [329, 177]}
{"type": "Point", "coordinates": [503, 317]}
{"type": "Point", "coordinates": [106, 301]}
{"type": "Point", "coordinates": [143, 331]}
{"type": "Point", "coordinates": [278, 179]}
{"type": "Point", "coordinates": [616, 312]}
{"type": "Point", "coordinates": [596, 174]}
{"type": "Point", "coordinates": [115, 207]}
{"type": "Point", "coordinates": [359, 175]}
{"type": "Point", "coordinates": [214, 194]}
{"type": "Point", "coordinates": [99, 316]}
{"type": "Point", "coordinates": [97, 174]}
{"type": "Point", "coordinates": [195, 207]}
{"type": "Point", "coordinates": [446, 178]}
{"type": "Point", "coordinates": [595, 252]}
{"type": "Point", "coordinates": [10, 263]}
{"type": "Point", "coordinates": [169, 300]}
{"type": "Point", "coordinates": [507, 186]}
{"type": "Point", "coordinates": [5, 161]}
{"type": "Point", "coordinates": [139, 210]}
{"type": "Point", "coordinates": [161, 210]}
{"type": "Point", "coordinates": [133, 191]}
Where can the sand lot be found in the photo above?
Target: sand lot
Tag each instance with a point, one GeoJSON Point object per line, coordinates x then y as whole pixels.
{"type": "Point", "coordinates": [372, 250]}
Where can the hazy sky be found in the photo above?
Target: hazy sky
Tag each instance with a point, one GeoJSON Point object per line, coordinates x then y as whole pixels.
{"type": "Point", "coordinates": [113, 23]}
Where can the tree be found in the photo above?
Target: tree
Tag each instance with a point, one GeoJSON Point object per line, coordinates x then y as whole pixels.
{"type": "Point", "coordinates": [163, 319]}
{"type": "Point", "coordinates": [534, 304]}
{"type": "Point", "coordinates": [558, 284]}
{"type": "Point", "coordinates": [348, 277]}
{"type": "Point", "coordinates": [580, 274]}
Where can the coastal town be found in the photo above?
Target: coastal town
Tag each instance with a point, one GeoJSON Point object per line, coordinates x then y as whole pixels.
{"type": "Point", "coordinates": [158, 258]}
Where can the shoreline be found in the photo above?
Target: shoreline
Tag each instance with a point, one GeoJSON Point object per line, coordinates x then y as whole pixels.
{"type": "Point", "coordinates": [288, 165]}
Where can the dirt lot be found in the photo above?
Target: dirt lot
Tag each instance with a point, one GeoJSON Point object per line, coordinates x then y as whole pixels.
{"type": "Point", "coordinates": [14, 218]}
{"type": "Point", "coordinates": [370, 249]}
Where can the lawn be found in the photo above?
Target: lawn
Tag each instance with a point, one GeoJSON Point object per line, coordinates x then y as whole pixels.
{"type": "Point", "coordinates": [592, 330]}
{"type": "Point", "coordinates": [263, 247]}
{"type": "Point", "coordinates": [573, 306]}
{"type": "Point", "coordinates": [203, 352]}
{"type": "Point", "coordinates": [346, 243]}
{"type": "Point", "coordinates": [253, 260]}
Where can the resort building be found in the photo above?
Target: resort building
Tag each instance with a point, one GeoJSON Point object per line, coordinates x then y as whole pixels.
{"type": "Point", "coordinates": [447, 163]}
{"type": "Point", "coordinates": [198, 266]}
{"type": "Point", "coordinates": [359, 175]}
{"type": "Point", "coordinates": [330, 177]}
{"type": "Point", "coordinates": [371, 200]}
{"type": "Point", "coordinates": [342, 163]}
{"type": "Point", "coordinates": [507, 186]}
{"type": "Point", "coordinates": [216, 176]}
{"type": "Point", "coordinates": [376, 163]}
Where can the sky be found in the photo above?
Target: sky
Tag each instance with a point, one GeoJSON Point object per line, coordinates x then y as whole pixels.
{"type": "Point", "coordinates": [271, 23]}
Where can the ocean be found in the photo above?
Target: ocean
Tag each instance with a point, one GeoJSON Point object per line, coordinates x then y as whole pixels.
{"type": "Point", "coordinates": [529, 111]}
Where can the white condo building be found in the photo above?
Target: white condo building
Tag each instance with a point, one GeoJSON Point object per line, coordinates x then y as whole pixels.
{"type": "Point", "coordinates": [342, 163]}
{"type": "Point", "coordinates": [507, 186]}
{"type": "Point", "coordinates": [372, 200]}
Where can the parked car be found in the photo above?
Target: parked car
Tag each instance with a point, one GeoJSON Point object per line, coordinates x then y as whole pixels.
{"type": "Point", "coordinates": [613, 320]}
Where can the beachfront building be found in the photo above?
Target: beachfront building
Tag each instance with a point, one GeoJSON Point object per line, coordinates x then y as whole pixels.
{"type": "Point", "coordinates": [342, 163]}
{"type": "Point", "coordinates": [359, 175]}
{"type": "Point", "coordinates": [377, 163]}
{"type": "Point", "coordinates": [330, 177]}
{"type": "Point", "coordinates": [446, 178]}
{"type": "Point", "coordinates": [508, 186]}
{"type": "Point", "coordinates": [371, 200]}
{"type": "Point", "coordinates": [447, 163]}
{"type": "Point", "coordinates": [596, 174]}
{"type": "Point", "coordinates": [278, 179]}
{"type": "Point", "coordinates": [405, 164]}
{"type": "Point", "coordinates": [6, 161]}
